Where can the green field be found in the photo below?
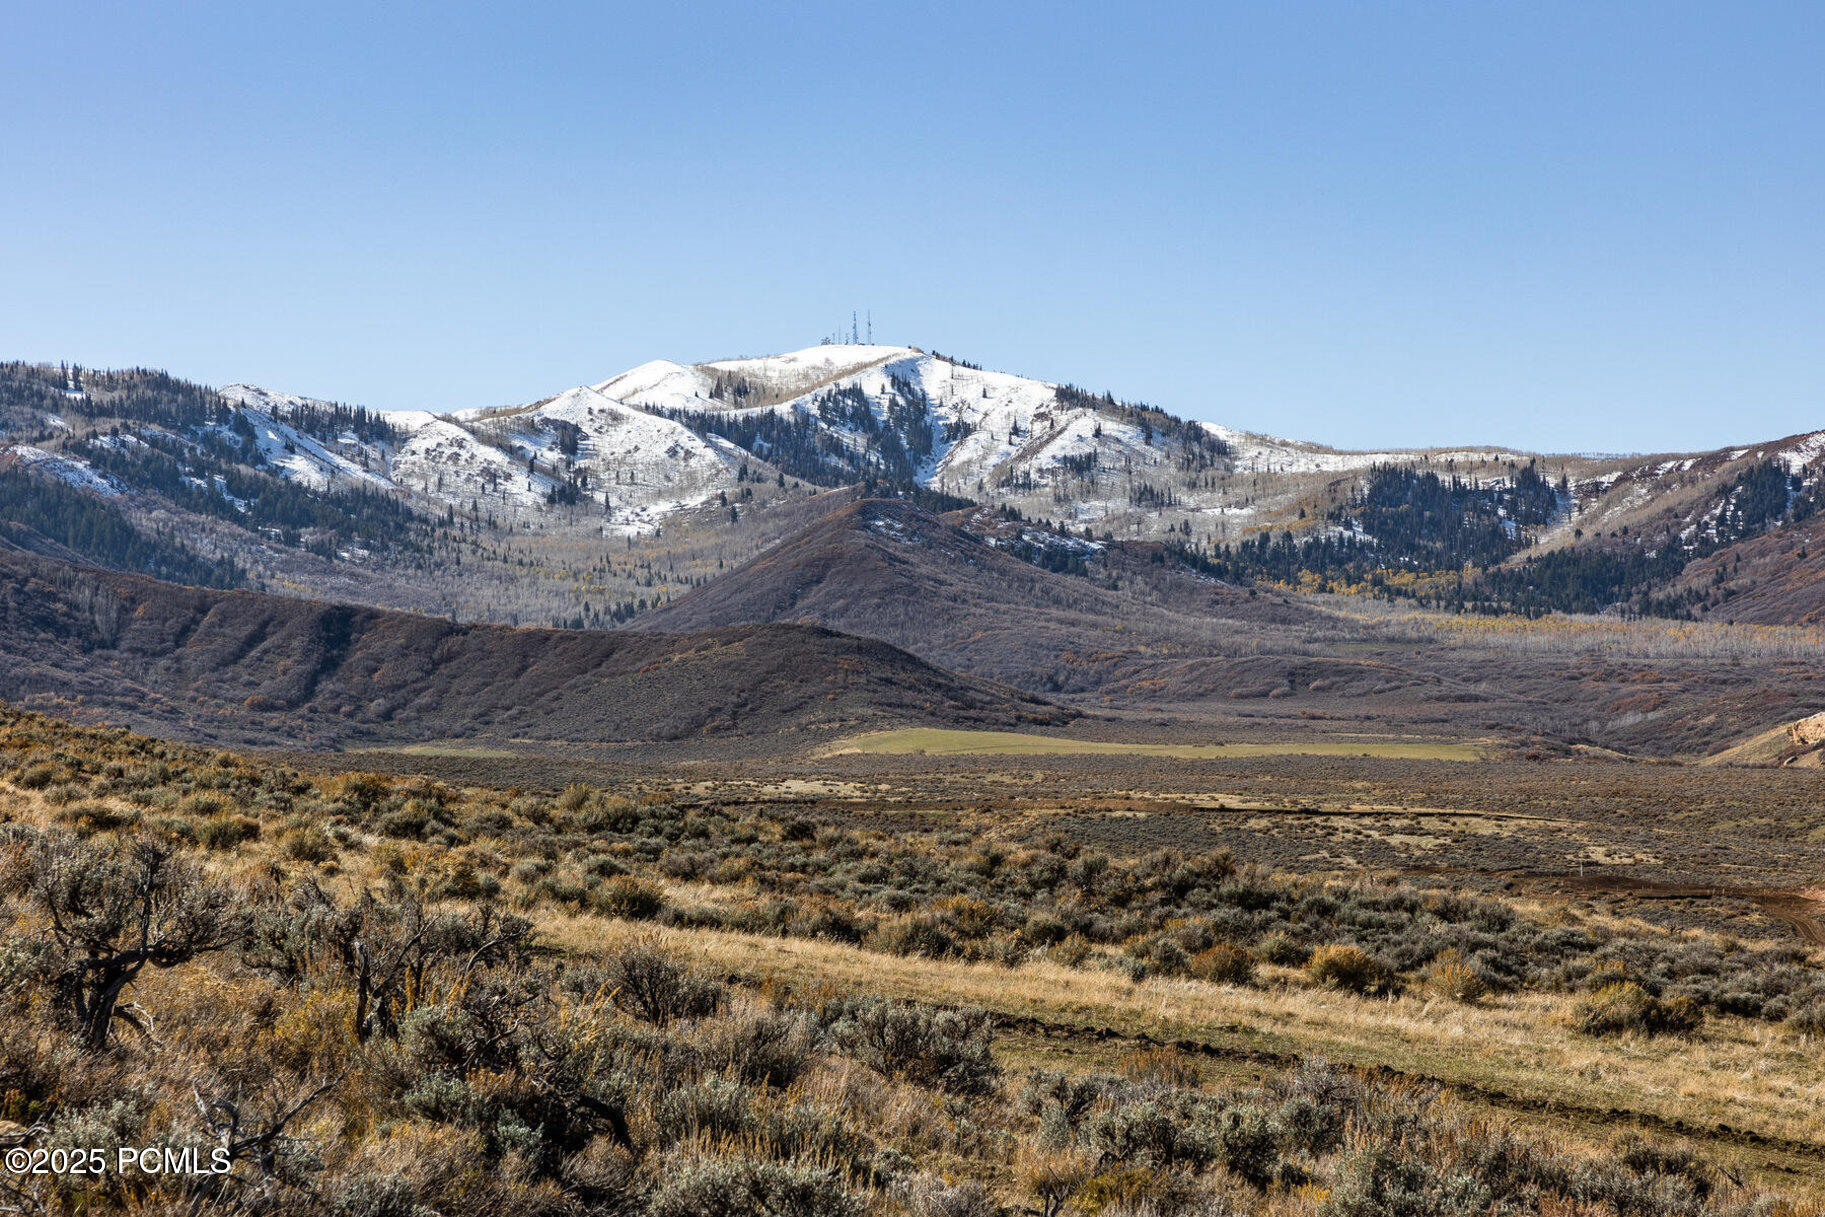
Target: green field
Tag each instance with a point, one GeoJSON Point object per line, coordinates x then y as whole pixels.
{"type": "Point", "coordinates": [938, 741]}
{"type": "Point", "coordinates": [443, 748]}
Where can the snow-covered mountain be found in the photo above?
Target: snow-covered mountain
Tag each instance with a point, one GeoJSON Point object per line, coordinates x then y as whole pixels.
{"type": "Point", "coordinates": [707, 454]}
{"type": "Point", "coordinates": [666, 437]}
{"type": "Point", "coordinates": [580, 447]}
{"type": "Point", "coordinates": [1047, 448]}
{"type": "Point", "coordinates": [626, 454]}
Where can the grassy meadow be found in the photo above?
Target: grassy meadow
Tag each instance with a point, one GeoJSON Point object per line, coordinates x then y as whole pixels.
{"type": "Point", "coordinates": [391, 994]}
{"type": "Point", "coordinates": [941, 741]}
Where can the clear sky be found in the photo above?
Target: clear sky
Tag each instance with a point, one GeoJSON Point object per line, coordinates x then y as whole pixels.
{"type": "Point", "coordinates": [1568, 226]}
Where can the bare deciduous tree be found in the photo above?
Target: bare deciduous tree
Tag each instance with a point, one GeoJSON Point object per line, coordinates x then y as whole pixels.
{"type": "Point", "coordinates": [115, 909]}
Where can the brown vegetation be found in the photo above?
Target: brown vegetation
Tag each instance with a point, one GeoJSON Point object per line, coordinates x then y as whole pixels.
{"type": "Point", "coordinates": [391, 992]}
{"type": "Point", "coordinates": [243, 667]}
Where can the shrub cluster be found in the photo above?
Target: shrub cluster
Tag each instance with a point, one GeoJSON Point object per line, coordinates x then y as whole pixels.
{"type": "Point", "coordinates": [934, 892]}
{"type": "Point", "coordinates": [375, 1052]}
{"type": "Point", "coordinates": [1624, 1006]}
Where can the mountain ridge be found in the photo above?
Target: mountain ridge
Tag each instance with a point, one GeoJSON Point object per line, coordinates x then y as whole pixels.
{"type": "Point", "coordinates": [246, 668]}
{"type": "Point", "coordinates": [684, 469]}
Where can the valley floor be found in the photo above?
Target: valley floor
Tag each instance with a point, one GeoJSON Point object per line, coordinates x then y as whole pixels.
{"type": "Point", "coordinates": [1615, 963]}
{"type": "Point", "coordinates": [1672, 849]}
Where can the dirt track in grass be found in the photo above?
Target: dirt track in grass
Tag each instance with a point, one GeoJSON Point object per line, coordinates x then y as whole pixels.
{"type": "Point", "coordinates": [1798, 908]}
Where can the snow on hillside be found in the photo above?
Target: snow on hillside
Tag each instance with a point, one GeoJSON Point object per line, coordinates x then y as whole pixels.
{"type": "Point", "coordinates": [448, 463]}
{"type": "Point", "coordinates": [640, 466]}
{"type": "Point", "coordinates": [1001, 415]}
{"type": "Point", "coordinates": [693, 449]}
{"type": "Point", "coordinates": [637, 468]}
{"type": "Point", "coordinates": [989, 435]}
{"type": "Point", "coordinates": [823, 362]}
{"type": "Point", "coordinates": [266, 401]}
{"type": "Point", "coordinates": [303, 459]}
{"type": "Point", "coordinates": [1270, 454]}
{"type": "Point", "coordinates": [1801, 451]}
{"type": "Point", "coordinates": [999, 437]}
{"type": "Point", "coordinates": [72, 470]}
{"type": "Point", "coordinates": [664, 385]}
{"type": "Point", "coordinates": [661, 385]}
{"type": "Point", "coordinates": [1005, 418]}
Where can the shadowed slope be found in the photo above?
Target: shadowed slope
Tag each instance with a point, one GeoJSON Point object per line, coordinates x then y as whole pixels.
{"type": "Point", "coordinates": [244, 667]}
{"type": "Point", "coordinates": [957, 596]}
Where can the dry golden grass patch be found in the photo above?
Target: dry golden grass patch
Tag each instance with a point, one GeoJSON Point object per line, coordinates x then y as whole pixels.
{"type": "Point", "coordinates": [941, 741]}
{"type": "Point", "coordinates": [1749, 1076]}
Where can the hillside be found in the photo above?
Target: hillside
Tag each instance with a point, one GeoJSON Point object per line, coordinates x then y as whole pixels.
{"type": "Point", "coordinates": [592, 506]}
{"type": "Point", "coordinates": [540, 989]}
{"type": "Point", "coordinates": [1138, 628]}
{"type": "Point", "coordinates": [247, 668]}
{"type": "Point", "coordinates": [1800, 743]}
{"type": "Point", "coordinates": [978, 593]}
{"type": "Point", "coordinates": [836, 413]}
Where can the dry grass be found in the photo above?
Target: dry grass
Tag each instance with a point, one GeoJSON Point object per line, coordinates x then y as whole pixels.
{"type": "Point", "coordinates": [1511, 1057]}
{"type": "Point", "coordinates": [1565, 633]}
{"type": "Point", "coordinates": [1752, 1077]}
{"type": "Point", "coordinates": [940, 741]}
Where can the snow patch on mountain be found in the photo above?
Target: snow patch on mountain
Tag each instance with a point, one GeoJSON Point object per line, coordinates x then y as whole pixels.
{"type": "Point", "coordinates": [661, 385]}
{"type": "Point", "coordinates": [797, 372]}
{"type": "Point", "coordinates": [72, 470]}
{"type": "Point", "coordinates": [1256, 453]}
{"type": "Point", "coordinates": [1807, 449]}
{"type": "Point", "coordinates": [267, 401]}
{"type": "Point", "coordinates": [444, 461]}
{"type": "Point", "coordinates": [304, 459]}
{"type": "Point", "coordinates": [634, 467]}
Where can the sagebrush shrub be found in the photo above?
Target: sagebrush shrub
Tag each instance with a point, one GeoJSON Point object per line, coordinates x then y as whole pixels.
{"type": "Point", "coordinates": [1452, 978]}
{"type": "Point", "coordinates": [764, 1047]}
{"type": "Point", "coordinates": [226, 832]}
{"type": "Point", "coordinates": [629, 897]}
{"type": "Point", "coordinates": [1808, 1018]}
{"type": "Point", "coordinates": [1625, 1007]}
{"type": "Point", "coordinates": [930, 1196]}
{"type": "Point", "coordinates": [742, 1187]}
{"type": "Point", "coordinates": [202, 805]}
{"type": "Point", "coordinates": [925, 936]}
{"type": "Point", "coordinates": [944, 1049]}
{"type": "Point", "coordinates": [308, 844]}
{"type": "Point", "coordinates": [714, 1108]}
{"type": "Point", "coordinates": [1224, 964]}
{"type": "Point", "coordinates": [1165, 1132]}
{"type": "Point", "coordinates": [1341, 966]}
{"type": "Point", "coordinates": [88, 818]}
{"type": "Point", "coordinates": [1606, 973]}
{"type": "Point", "coordinates": [1283, 949]}
{"type": "Point", "coordinates": [1248, 1145]}
{"type": "Point", "coordinates": [645, 981]}
{"type": "Point", "coordinates": [36, 776]}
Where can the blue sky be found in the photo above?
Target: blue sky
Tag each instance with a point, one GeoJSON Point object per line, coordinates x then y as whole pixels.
{"type": "Point", "coordinates": [1579, 226]}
